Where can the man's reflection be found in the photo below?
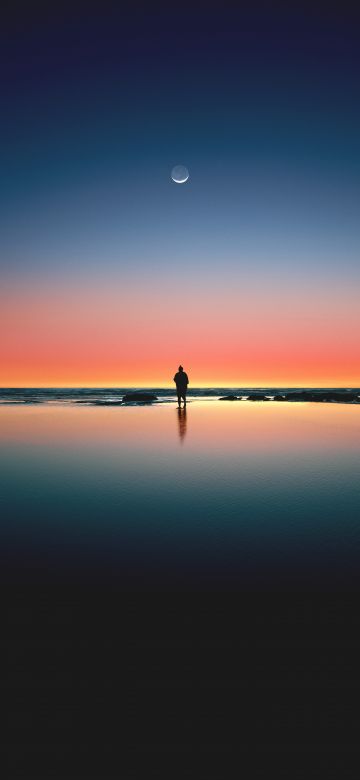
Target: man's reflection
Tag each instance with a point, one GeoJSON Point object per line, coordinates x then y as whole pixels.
{"type": "Point", "coordinates": [181, 412]}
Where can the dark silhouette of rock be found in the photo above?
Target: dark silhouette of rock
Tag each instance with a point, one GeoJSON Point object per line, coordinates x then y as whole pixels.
{"type": "Point", "coordinates": [229, 398]}
{"type": "Point", "coordinates": [139, 398]}
{"type": "Point", "coordinates": [257, 397]}
{"type": "Point", "coordinates": [302, 396]}
{"type": "Point", "coordinates": [100, 402]}
{"type": "Point", "coordinates": [341, 397]}
{"type": "Point", "coordinates": [326, 396]}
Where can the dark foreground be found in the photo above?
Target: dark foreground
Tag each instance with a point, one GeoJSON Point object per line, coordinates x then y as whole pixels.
{"type": "Point", "coordinates": [105, 681]}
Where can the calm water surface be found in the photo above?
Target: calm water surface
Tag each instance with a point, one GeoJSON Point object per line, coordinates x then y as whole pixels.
{"type": "Point", "coordinates": [246, 493]}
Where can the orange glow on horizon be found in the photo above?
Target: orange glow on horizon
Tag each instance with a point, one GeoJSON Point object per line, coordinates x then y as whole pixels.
{"type": "Point", "coordinates": [135, 334]}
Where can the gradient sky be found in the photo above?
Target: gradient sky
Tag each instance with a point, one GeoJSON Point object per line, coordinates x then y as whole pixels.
{"type": "Point", "coordinates": [110, 273]}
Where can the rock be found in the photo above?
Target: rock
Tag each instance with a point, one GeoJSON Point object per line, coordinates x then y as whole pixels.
{"type": "Point", "coordinates": [139, 398]}
{"type": "Point", "coordinates": [257, 397]}
{"type": "Point", "coordinates": [100, 402]}
{"type": "Point", "coordinates": [229, 398]}
{"type": "Point", "coordinates": [340, 397]}
{"type": "Point", "coordinates": [302, 396]}
{"type": "Point", "coordinates": [299, 396]}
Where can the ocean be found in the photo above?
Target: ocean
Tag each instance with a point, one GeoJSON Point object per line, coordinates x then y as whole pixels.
{"type": "Point", "coordinates": [219, 493]}
{"type": "Point", "coordinates": [104, 394]}
{"type": "Point", "coordinates": [163, 569]}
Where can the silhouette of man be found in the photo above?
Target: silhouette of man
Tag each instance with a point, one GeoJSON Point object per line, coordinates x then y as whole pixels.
{"type": "Point", "coordinates": [181, 380]}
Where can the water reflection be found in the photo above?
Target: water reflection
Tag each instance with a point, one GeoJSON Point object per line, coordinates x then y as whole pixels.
{"type": "Point", "coordinates": [182, 423]}
{"type": "Point", "coordinates": [265, 492]}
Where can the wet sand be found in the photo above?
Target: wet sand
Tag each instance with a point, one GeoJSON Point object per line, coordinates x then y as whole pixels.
{"type": "Point", "coordinates": [109, 670]}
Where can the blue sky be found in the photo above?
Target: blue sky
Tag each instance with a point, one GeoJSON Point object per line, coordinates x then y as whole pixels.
{"type": "Point", "coordinates": [262, 106]}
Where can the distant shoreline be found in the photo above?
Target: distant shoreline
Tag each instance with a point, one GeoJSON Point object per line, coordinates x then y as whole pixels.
{"type": "Point", "coordinates": [136, 395]}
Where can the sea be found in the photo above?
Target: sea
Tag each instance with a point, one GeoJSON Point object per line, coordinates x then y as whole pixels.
{"type": "Point", "coordinates": [103, 394]}
{"type": "Point", "coordinates": [178, 581]}
{"type": "Point", "coordinates": [219, 493]}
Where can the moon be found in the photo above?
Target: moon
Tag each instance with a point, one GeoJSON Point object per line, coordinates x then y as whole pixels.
{"type": "Point", "coordinates": [179, 174]}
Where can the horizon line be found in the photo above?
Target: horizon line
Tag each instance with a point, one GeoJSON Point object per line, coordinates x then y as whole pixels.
{"type": "Point", "coordinates": [170, 387]}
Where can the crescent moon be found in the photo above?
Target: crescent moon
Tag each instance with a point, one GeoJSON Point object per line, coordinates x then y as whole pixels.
{"type": "Point", "coordinates": [180, 174]}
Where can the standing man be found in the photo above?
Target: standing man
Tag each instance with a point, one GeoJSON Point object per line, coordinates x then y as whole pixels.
{"type": "Point", "coordinates": [181, 380]}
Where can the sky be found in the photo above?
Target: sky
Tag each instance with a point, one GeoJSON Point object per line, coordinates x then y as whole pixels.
{"type": "Point", "coordinates": [111, 274]}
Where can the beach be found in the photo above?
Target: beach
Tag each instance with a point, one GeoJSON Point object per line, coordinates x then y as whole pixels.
{"type": "Point", "coordinates": [247, 493]}
{"type": "Point", "coordinates": [154, 557]}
